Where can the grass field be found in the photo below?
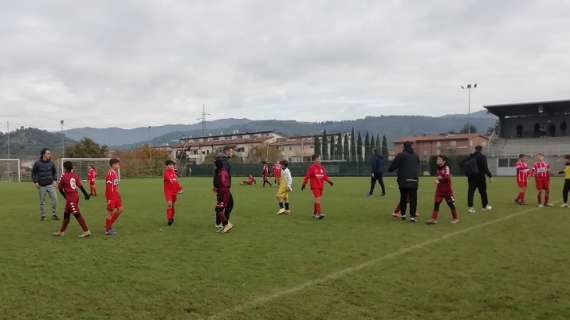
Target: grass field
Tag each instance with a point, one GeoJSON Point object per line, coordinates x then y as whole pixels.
{"type": "Point", "coordinates": [358, 263]}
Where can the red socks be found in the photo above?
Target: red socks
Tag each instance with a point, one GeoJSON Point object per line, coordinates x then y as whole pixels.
{"type": "Point", "coordinates": [170, 213]}
{"type": "Point", "coordinates": [520, 197]}
{"type": "Point", "coordinates": [317, 208]}
{"type": "Point", "coordinates": [81, 222]}
{"type": "Point", "coordinates": [434, 215]}
{"type": "Point", "coordinates": [65, 222]}
{"type": "Point", "coordinates": [397, 210]}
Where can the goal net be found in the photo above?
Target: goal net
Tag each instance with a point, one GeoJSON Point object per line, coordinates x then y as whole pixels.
{"type": "Point", "coordinates": [10, 170]}
{"type": "Point", "coordinates": [81, 166]}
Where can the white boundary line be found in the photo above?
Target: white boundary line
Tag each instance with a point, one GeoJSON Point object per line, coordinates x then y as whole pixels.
{"type": "Point", "coordinates": [338, 274]}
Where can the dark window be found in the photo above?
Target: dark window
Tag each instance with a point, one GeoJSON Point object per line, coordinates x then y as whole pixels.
{"type": "Point", "coordinates": [552, 130]}
{"type": "Point", "coordinates": [537, 129]}
{"type": "Point", "coordinates": [563, 128]}
{"type": "Point", "coordinates": [504, 162]}
{"type": "Point", "coordinates": [513, 162]}
{"type": "Point", "coordinates": [519, 131]}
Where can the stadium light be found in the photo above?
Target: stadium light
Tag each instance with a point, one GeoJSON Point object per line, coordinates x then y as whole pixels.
{"type": "Point", "coordinates": [468, 87]}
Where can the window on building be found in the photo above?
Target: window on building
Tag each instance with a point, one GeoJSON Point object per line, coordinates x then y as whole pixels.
{"type": "Point", "coordinates": [519, 131]}
{"type": "Point", "coordinates": [240, 149]}
{"type": "Point", "coordinates": [503, 162]}
{"type": "Point", "coordinates": [563, 128]}
{"type": "Point", "coordinates": [453, 144]}
{"type": "Point", "coordinates": [537, 129]}
{"type": "Point", "coordinates": [290, 148]}
{"type": "Point", "coordinates": [552, 130]}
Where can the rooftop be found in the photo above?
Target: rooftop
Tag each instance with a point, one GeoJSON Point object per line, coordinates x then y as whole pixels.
{"type": "Point", "coordinates": [530, 108]}
{"type": "Point", "coordinates": [440, 137]}
{"type": "Point", "coordinates": [229, 135]}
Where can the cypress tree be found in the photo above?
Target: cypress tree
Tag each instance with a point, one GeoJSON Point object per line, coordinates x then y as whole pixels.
{"type": "Point", "coordinates": [346, 148]}
{"type": "Point", "coordinates": [372, 145]}
{"type": "Point", "coordinates": [359, 148]}
{"type": "Point", "coordinates": [317, 145]}
{"type": "Point", "coordinates": [352, 146]}
{"type": "Point", "coordinates": [378, 144]}
{"type": "Point", "coordinates": [325, 148]}
{"type": "Point", "coordinates": [385, 151]}
{"type": "Point", "coordinates": [332, 148]}
{"type": "Point", "coordinates": [339, 151]}
{"type": "Point", "coordinates": [367, 147]}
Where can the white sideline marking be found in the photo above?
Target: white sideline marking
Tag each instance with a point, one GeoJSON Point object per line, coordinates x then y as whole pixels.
{"type": "Point", "coordinates": [349, 270]}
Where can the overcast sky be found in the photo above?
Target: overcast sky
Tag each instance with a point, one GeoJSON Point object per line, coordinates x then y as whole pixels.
{"type": "Point", "coordinates": [138, 63]}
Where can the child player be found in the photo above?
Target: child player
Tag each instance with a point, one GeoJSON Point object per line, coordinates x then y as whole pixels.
{"type": "Point", "coordinates": [317, 176]}
{"type": "Point", "coordinates": [249, 181]}
{"type": "Point", "coordinates": [68, 185]}
{"type": "Point", "coordinates": [224, 204]}
{"type": "Point", "coordinates": [91, 178]}
{"type": "Point", "coordinates": [265, 174]}
{"type": "Point", "coordinates": [443, 191]}
{"type": "Point", "coordinates": [277, 172]}
{"type": "Point", "coordinates": [172, 189]}
{"type": "Point", "coordinates": [113, 197]}
{"type": "Point", "coordinates": [566, 189]}
{"type": "Point", "coordinates": [285, 186]}
{"type": "Point", "coordinates": [522, 178]}
{"type": "Point", "coordinates": [541, 172]}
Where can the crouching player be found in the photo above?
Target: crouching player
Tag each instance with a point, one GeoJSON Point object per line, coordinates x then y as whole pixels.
{"type": "Point", "coordinates": [541, 172]}
{"type": "Point", "coordinates": [317, 176]}
{"type": "Point", "coordinates": [285, 186]}
{"type": "Point", "coordinates": [249, 181]}
{"type": "Point", "coordinates": [443, 191]}
{"type": "Point", "coordinates": [224, 202]}
{"type": "Point", "coordinates": [522, 178]}
{"type": "Point", "coordinates": [68, 185]}
{"type": "Point", "coordinates": [172, 189]}
{"type": "Point", "coordinates": [113, 197]}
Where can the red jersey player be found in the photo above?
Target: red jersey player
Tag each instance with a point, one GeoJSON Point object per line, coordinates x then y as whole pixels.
{"type": "Point", "coordinates": [522, 178]}
{"type": "Point", "coordinates": [443, 191]}
{"type": "Point", "coordinates": [68, 185]}
{"type": "Point", "coordinates": [91, 178]}
{"type": "Point", "coordinates": [277, 172]}
{"type": "Point", "coordinates": [171, 189]}
{"type": "Point", "coordinates": [249, 181]}
{"type": "Point", "coordinates": [317, 176]}
{"type": "Point", "coordinates": [541, 173]}
{"type": "Point", "coordinates": [224, 202]}
{"type": "Point", "coordinates": [113, 197]}
{"type": "Point", "coordinates": [265, 174]}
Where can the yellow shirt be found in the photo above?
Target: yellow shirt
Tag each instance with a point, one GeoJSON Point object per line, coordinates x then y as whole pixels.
{"type": "Point", "coordinates": [566, 172]}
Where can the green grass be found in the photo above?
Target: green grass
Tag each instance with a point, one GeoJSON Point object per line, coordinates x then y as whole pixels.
{"type": "Point", "coordinates": [516, 268]}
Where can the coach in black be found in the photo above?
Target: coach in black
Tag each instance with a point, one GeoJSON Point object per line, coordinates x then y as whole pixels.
{"type": "Point", "coordinates": [377, 172]}
{"type": "Point", "coordinates": [477, 171]}
{"type": "Point", "coordinates": [407, 163]}
{"type": "Point", "coordinates": [44, 176]}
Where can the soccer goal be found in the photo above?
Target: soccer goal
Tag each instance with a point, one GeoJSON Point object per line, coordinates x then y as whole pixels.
{"type": "Point", "coordinates": [81, 166]}
{"type": "Point", "coordinates": [10, 170]}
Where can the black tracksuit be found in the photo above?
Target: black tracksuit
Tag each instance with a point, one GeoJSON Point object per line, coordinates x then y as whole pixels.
{"type": "Point", "coordinates": [377, 173]}
{"type": "Point", "coordinates": [478, 181]}
{"type": "Point", "coordinates": [407, 163]}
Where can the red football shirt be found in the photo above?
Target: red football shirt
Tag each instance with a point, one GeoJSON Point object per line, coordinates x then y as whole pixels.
{"type": "Point", "coordinates": [171, 184]}
{"type": "Point", "coordinates": [69, 183]}
{"type": "Point", "coordinates": [111, 184]}
{"type": "Point", "coordinates": [541, 170]}
{"type": "Point", "coordinates": [91, 175]}
{"type": "Point", "coordinates": [522, 171]}
{"type": "Point", "coordinates": [444, 177]}
{"type": "Point", "coordinates": [277, 170]}
{"type": "Point", "coordinates": [317, 176]}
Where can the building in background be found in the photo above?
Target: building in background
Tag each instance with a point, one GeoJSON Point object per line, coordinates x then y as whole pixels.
{"type": "Point", "coordinates": [529, 128]}
{"type": "Point", "coordinates": [296, 149]}
{"type": "Point", "coordinates": [427, 146]}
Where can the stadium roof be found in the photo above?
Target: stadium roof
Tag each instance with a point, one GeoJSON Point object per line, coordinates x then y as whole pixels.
{"type": "Point", "coordinates": [530, 108]}
{"type": "Point", "coordinates": [440, 137]}
{"type": "Point", "coordinates": [228, 135]}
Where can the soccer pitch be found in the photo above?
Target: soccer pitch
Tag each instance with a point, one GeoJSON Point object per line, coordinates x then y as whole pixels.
{"type": "Point", "coordinates": [358, 263]}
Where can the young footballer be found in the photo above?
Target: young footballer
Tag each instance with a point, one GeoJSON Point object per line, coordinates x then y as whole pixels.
{"type": "Point", "coordinates": [566, 189]}
{"type": "Point", "coordinates": [285, 186]}
{"type": "Point", "coordinates": [91, 179]}
{"type": "Point", "coordinates": [172, 189]}
{"type": "Point", "coordinates": [265, 174]}
{"type": "Point", "coordinates": [277, 172]}
{"type": "Point", "coordinates": [224, 204]}
{"type": "Point", "coordinates": [113, 197]}
{"type": "Point", "coordinates": [68, 185]}
{"type": "Point", "coordinates": [443, 191]}
{"type": "Point", "coordinates": [249, 181]}
{"type": "Point", "coordinates": [541, 172]}
{"type": "Point", "coordinates": [317, 176]}
{"type": "Point", "coordinates": [522, 178]}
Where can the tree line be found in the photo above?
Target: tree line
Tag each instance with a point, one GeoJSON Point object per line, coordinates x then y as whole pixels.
{"type": "Point", "coordinates": [350, 147]}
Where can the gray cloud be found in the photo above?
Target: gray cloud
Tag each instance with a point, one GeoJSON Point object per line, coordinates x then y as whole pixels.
{"type": "Point", "coordinates": [137, 63]}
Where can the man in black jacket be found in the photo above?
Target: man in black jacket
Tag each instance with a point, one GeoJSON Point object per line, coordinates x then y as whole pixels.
{"type": "Point", "coordinates": [44, 176]}
{"type": "Point", "coordinates": [477, 180]}
{"type": "Point", "coordinates": [407, 163]}
{"type": "Point", "coordinates": [377, 172]}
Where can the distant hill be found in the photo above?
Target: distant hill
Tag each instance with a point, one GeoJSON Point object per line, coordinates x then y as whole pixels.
{"type": "Point", "coordinates": [26, 143]}
{"type": "Point", "coordinates": [391, 126]}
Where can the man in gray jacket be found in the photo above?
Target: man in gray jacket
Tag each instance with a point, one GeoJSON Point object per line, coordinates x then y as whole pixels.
{"type": "Point", "coordinates": [44, 176]}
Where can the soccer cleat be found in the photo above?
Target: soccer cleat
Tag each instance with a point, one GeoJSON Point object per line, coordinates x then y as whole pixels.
{"type": "Point", "coordinates": [396, 215]}
{"type": "Point", "coordinates": [170, 222]}
{"type": "Point", "coordinates": [564, 205]}
{"type": "Point", "coordinates": [431, 221]}
{"type": "Point", "coordinates": [523, 203]}
{"type": "Point", "coordinates": [287, 211]}
{"type": "Point", "coordinates": [548, 205]}
{"type": "Point", "coordinates": [54, 217]}
{"type": "Point", "coordinates": [110, 232]}
{"type": "Point", "coordinates": [322, 216]}
{"type": "Point", "coordinates": [541, 205]}
{"type": "Point", "coordinates": [454, 221]}
{"type": "Point", "coordinates": [413, 220]}
{"type": "Point", "coordinates": [403, 218]}
{"type": "Point", "coordinates": [368, 195]}
{"type": "Point", "coordinates": [85, 234]}
{"type": "Point", "coordinates": [281, 211]}
{"type": "Point", "coordinates": [471, 210]}
{"type": "Point", "coordinates": [487, 208]}
{"type": "Point", "coordinates": [227, 228]}
{"type": "Point", "coordinates": [58, 234]}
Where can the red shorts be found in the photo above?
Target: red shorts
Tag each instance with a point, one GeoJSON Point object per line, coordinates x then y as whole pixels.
{"type": "Point", "coordinates": [115, 202]}
{"type": "Point", "coordinates": [522, 184]}
{"type": "Point", "coordinates": [447, 196]}
{"type": "Point", "coordinates": [91, 183]}
{"type": "Point", "coordinates": [542, 184]}
{"type": "Point", "coordinates": [170, 197]}
{"type": "Point", "coordinates": [71, 207]}
{"type": "Point", "coordinates": [317, 193]}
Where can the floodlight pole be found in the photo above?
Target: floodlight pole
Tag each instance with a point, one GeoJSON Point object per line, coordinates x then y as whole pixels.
{"type": "Point", "coordinates": [61, 122]}
{"type": "Point", "coordinates": [468, 87]}
{"type": "Point", "coordinates": [8, 133]}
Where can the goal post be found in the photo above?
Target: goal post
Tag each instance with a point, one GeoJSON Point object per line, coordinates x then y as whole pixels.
{"type": "Point", "coordinates": [81, 166]}
{"type": "Point", "coordinates": [10, 170]}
